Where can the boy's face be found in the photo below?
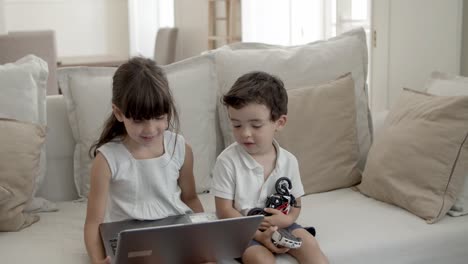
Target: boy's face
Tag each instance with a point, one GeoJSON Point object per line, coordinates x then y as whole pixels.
{"type": "Point", "coordinates": [253, 128]}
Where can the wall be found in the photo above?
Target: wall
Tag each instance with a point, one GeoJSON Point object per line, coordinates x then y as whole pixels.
{"type": "Point", "coordinates": [464, 58]}
{"type": "Point", "coordinates": [191, 17]}
{"type": "Point", "coordinates": [2, 17]}
{"type": "Point", "coordinates": [82, 27]}
{"type": "Point", "coordinates": [101, 26]}
{"type": "Point", "coordinates": [422, 36]}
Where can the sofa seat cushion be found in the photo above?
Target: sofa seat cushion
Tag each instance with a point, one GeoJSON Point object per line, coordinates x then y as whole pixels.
{"type": "Point", "coordinates": [56, 238]}
{"type": "Point", "coordinates": [354, 229]}
{"type": "Point", "coordinates": [351, 229]}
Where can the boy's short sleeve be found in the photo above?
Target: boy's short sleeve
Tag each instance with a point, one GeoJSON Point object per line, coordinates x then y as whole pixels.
{"type": "Point", "coordinates": [223, 184]}
{"type": "Point", "coordinates": [297, 187]}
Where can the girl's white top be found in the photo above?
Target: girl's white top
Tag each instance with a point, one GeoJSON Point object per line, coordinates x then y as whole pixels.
{"type": "Point", "coordinates": [144, 189]}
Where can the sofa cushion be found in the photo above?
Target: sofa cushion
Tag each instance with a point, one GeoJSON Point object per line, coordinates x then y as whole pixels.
{"type": "Point", "coordinates": [23, 89]}
{"type": "Point", "coordinates": [446, 84]}
{"type": "Point", "coordinates": [300, 66]}
{"type": "Point", "coordinates": [88, 92]}
{"type": "Point", "coordinates": [420, 158]}
{"type": "Point", "coordinates": [19, 167]}
{"type": "Point", "coordinates": [323, 139]}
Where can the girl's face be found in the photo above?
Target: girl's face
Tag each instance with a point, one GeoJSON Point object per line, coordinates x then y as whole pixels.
{"type": "Point", "coordinates": [253, 128]}
{"type": "Point", "coordinates": [143, 133]}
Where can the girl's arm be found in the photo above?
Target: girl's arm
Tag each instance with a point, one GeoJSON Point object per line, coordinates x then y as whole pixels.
{"type": "Point", "coordinates": [187, 183]}
{"type": "Point", "coordinates": [97, 198]}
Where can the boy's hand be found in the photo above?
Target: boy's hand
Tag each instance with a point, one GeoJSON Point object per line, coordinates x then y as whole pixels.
{"type": "Point", "coordinates": [265, 239]}
{"type": "Point", "coordinates": [277, 218]}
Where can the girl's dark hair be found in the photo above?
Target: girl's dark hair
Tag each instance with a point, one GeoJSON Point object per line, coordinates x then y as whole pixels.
{"type": "Point", "coordinates": [141, 91]}
{"type": "Point", "coordinates": [258, 87]}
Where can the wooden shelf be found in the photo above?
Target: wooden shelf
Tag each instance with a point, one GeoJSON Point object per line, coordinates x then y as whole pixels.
{"type": "Point", "coordinates": [231, 32]}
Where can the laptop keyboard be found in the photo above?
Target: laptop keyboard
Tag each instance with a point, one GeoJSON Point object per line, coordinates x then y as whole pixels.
{"type": "Point", "coordinates": [113, 244]}
{"type": "Point", "coordinates": [202, 217]}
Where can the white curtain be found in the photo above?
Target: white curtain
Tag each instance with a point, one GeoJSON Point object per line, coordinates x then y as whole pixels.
{"type": "Point", "coordinates": [145, 17]}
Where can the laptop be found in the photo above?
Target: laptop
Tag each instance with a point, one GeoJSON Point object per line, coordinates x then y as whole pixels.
{"type": "Point", "coordinates": [190, 238]}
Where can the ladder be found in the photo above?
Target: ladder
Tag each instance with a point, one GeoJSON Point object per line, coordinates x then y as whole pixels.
{"type": "Point", "coordinates": [231, 32]}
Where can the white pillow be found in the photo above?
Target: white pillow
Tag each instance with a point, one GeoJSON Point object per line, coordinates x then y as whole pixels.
{"type": "Point", "coordinates": [21, 82]}
{"type": "Point", "coordinates": [300, 66]}
{"type": "Point", "coordinates": [194, 85]}
{"type": "Point", "coordinates": [88, 91]}
{"type": "Point", "coordinates": [23, 97]}
{"type": "Point", "coordinates": [446, 84]}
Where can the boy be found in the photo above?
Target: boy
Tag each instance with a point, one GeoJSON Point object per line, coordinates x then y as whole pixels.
{"type": "Point", "coordinates": [245, 173]}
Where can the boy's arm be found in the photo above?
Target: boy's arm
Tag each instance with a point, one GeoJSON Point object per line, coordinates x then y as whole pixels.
{"type": "Point", "coordinates": [187, 183]}
{"type": "Point", "coordinates": [278, 218]}
{"type": "Point", "coordinates": [281, 220]}
{"type": "Point", "coordinates": [225, 209]}
{"type": "Point", "coordinates": [223, 188]}
{"type": "Point", "coordinates": [97, 198]}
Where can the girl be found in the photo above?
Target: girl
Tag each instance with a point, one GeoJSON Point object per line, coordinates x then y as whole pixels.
{"type": "Point", "coordinates": [141, 169]}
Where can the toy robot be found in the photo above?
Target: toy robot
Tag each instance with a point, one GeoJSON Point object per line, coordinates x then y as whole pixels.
{"type": "Point", "coordinates": [282, 200]}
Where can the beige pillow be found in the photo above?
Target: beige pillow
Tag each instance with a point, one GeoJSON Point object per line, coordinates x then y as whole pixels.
{"type": "Point", "coordinates": [19, 167]}
{"type": "Point", "coordinates": [420, 158]}
{"type": "Point", "coordinates": [446, 84]}
{"type": "Point", "coordinates": [321, 132]}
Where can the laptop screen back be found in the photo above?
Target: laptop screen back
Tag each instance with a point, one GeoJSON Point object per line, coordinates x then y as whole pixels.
{"type": "Point", "coordinates": [187, 243]}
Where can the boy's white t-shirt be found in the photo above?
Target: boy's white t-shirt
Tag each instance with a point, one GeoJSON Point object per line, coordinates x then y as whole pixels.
{"type": "Point", "coordinates": [238, 177]}
{"type": "Point", "coordinates": [144, 189]}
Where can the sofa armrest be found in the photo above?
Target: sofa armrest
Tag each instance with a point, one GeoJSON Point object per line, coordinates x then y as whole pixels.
{"type": "Point", "coordinates": [59, 183]}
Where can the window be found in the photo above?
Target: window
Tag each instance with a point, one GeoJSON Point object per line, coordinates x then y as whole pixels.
{"type": "Point", "coordinates": [295, 22]}
{"type": "Point", "coordinates": [145, 17]}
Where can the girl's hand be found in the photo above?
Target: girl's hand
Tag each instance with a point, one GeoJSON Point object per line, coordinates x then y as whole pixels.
{"type": "Point", "coordinates": [265, 239]}
{"type": "Point", "coordinates": [107, 260]}
{"type": "Point", "coordinates": [277, 218]}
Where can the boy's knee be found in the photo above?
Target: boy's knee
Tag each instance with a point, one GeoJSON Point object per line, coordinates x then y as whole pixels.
{"type": "Point", "coordinates": [258, 254]}
{"type": "Point", "coordinates": [307, 239]}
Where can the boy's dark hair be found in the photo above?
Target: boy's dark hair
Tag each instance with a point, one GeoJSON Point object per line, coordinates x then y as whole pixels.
{"type": "Point", "coordinates": [261, 88]}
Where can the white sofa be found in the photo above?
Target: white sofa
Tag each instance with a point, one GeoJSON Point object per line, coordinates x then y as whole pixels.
{"type": "Point", "coordinates": [351, 228]}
